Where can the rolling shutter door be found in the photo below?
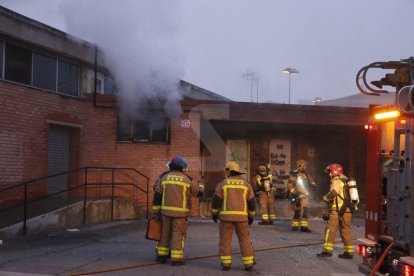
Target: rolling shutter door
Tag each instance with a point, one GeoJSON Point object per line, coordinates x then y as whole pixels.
{"type": "Point", "coordinates": [58, 157]}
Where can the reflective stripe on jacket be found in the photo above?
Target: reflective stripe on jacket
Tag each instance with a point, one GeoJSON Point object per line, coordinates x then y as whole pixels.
{"type": "Point", "coordinates": [237, 200]}
{"type": "Point", "coordinates": [176, 189]}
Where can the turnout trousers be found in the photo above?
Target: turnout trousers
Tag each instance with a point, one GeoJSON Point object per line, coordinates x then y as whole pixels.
{"type": "Point", "coordinates": [267, 209]}
{"type": "Point", "coordinates": [243, 235]}
{"type": "Point", "coordinates": [300, 214]}
{"type": "Point", "coordinates": [344, 225]}
{"type": "Point", "coordinates": [172, 240]}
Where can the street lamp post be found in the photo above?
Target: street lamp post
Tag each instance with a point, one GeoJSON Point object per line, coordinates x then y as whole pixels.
{"type": "Point", "coordinates": [290, 71]}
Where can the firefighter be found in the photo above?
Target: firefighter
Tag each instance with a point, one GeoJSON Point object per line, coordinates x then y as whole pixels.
{"type": "Point", "coordinates": [266, 193]}
{"type": "Point", "coordinates": [340, 215]}
{"type": "Point", "coordinates": [298, 186]}
{"type": "Point", "coordinates": [234, 205]}
{"type": "Point", "coordinates": [172, 202]}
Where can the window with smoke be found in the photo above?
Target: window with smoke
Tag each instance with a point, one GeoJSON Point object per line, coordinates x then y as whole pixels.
{"type": "Point", "coordinates": [149, 129]}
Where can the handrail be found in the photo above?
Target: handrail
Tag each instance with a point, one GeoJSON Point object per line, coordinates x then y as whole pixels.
{"type": "Point", "coordinates": [85, 185]}
{"type": "Point", "coordinates": [69, 172]}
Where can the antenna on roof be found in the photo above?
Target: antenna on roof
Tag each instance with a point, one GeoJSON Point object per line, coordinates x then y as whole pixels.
{"type": "Point", "coordinates": [254, 83]}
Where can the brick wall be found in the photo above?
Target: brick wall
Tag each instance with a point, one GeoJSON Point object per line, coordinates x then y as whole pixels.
{"type": "Point", "coordinates": [25, 117]}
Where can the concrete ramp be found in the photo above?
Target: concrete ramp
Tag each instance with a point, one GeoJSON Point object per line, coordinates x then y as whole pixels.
{"type": "Point", "coordinates": [97, 211]}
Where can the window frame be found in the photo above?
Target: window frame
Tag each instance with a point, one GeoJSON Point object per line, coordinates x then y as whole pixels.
{"type": "Point", "coordinates": [131, 125]}
{"type": "Point", "coordinates": [2, 56]}
{"type": "Point", "coordinates": [38, 50]}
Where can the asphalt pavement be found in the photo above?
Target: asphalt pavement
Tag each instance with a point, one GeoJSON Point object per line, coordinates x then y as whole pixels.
{"type": "Point", "coordinates": [120, 248]}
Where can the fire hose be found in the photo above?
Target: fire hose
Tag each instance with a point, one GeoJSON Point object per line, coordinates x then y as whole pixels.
{"type": "Point", "coordinates": [381, 259]}
{"type": "Point", "coordinates": [113, 269]}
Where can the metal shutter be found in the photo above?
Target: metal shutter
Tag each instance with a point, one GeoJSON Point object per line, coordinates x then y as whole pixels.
{"type": "Point", "coordinates": [58, 157]}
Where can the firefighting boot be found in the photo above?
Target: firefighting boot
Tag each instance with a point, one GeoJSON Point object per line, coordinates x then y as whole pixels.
{"type": "Point", "coordinates": [305, 229]}
{"type": "Point", "coordinates": [264, 222]}
{"type": "Point", "coordinates": [270, 222]}
{"type": "Point", "coordinates": [295, 228]}
{"type": "Point", "coordinates": [177, 263]}
{"type": "Point", "coordinates": [225, 267]}
{"type": "Point", "coordinates": [161, 259]}
{"type": "Point", "coordinates": [345, 256]}
{"type": "Point", "coordinates": [248, 268]}
{"type": "Point", "coordinates": [324, 254]}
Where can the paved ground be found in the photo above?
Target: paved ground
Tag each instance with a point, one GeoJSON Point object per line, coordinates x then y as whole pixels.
{"type": "Point", "coordinates": [122, 244]}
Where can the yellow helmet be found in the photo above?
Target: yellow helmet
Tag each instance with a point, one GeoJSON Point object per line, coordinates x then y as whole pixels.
{"type": "Point", "coordinates": [232, 166]}
{"type": "Point", "coordinates": [301, 165]}
{"type": "Point", "coordinates": [262, 170]}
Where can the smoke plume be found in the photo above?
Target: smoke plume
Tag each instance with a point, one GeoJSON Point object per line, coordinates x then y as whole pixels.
{"type": "Point", "coordinates": [139, 41]}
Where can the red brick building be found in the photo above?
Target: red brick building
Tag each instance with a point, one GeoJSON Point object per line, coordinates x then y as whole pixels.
{"type": "Point", "coordinates": [51, 122]}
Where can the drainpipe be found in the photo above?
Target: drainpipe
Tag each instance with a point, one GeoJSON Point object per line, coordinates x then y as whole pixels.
{"type": "Point", "coordinates": [96, 75]}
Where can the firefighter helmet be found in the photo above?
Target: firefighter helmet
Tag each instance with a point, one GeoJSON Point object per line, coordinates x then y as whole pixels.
{"type": "Point", "coordinates": [301, 165]}
{"type": "Point", "coordinates": [232, 167]}
{"type": "Point", "coordinates": [178, 163]}
{"type": "Point", "coordinates": [262, 170]}
{"type": "Point", "coordinates": [334, 170]}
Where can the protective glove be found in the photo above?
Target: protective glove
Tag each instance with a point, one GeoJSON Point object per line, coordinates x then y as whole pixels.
{"type": "Point", "coordinates": [250, 220]}
{"type": "Point", "coordinates": [215, 217]}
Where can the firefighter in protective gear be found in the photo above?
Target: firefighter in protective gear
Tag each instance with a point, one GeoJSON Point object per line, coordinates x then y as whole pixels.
{"type": "Point", "coordinates": [340, 214]}
{"type": "Point", "coordinates": [298, 187]}
{"type": "Point", "coordinates": [172, 202]}
{"type": "Point", "coordinates": [234, 205]}
{"type": "Point", "coordinates": [263, 182]}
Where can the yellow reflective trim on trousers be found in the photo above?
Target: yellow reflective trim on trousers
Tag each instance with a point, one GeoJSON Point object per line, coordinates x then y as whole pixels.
{"type": "Point", "coordinates": [225, 259]}
{"type": "Point", "coordinates": [252, 213]}
{"type": "Point", "coordinates": [266, 216]}
{"type": "Point", "coordinates": [214, 211]}
{"type": "Point", "coordinates": [349, 249]}
{"type": "Point", "coordinates": [156, 207]}
{"type": "Point", "coordinates": [248, 260]}
{"type": "Point", "coordinates": [179, 209]}
{"type": "Point", "coordinates": [173, 208]}
{"type": "Point", "coordinates": [272, 216]}
{"type": "Point", "coordinates": [233, 213]}
{"type": "Point", "coordinates": [327, 246]}
{"type": "Point", "coordinates": [326, 236]}
{"type": "Point", "coordinates": [295, 223]}
{"type": "Point", "coordinates": [163, 251]}
{"type": "Point", "coordinates": [304, 223]}
{"type": "Point", "coordinates": [231, 186]}
{"type": "Point", "coordinates": [177, 254]}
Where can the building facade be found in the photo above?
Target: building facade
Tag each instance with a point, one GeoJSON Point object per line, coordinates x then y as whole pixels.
{"type": "Point", "coordinates": [59, 113]}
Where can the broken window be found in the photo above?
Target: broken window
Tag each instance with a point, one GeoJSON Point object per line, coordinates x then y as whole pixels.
{"type": "Point", "coordinates": [151, 129]}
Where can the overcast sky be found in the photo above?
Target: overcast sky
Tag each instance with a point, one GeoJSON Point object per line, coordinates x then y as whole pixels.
{"type": "Point", "coordinates": [213, 43]}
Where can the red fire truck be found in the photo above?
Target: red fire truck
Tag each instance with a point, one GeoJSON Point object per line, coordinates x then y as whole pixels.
{"type": "Point", "coordinates": [388, 246]}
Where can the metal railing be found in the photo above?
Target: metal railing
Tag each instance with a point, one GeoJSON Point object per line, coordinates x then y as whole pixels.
{"type": "Point", "coordinates": [35, 190]}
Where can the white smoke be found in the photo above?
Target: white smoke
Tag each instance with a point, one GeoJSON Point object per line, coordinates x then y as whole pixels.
{"type": "Point", "coordinates": [139, 40]}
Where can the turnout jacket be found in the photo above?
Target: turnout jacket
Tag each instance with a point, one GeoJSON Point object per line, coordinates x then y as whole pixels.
{"type": "Point", "coordinates": [299, 183]}
{"type": "Point", "coordinates": [234, 200]}
{"type": "Point", "coordinates": [172, 194]}
{"type": "Point", "coordinates": [336, 196]}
